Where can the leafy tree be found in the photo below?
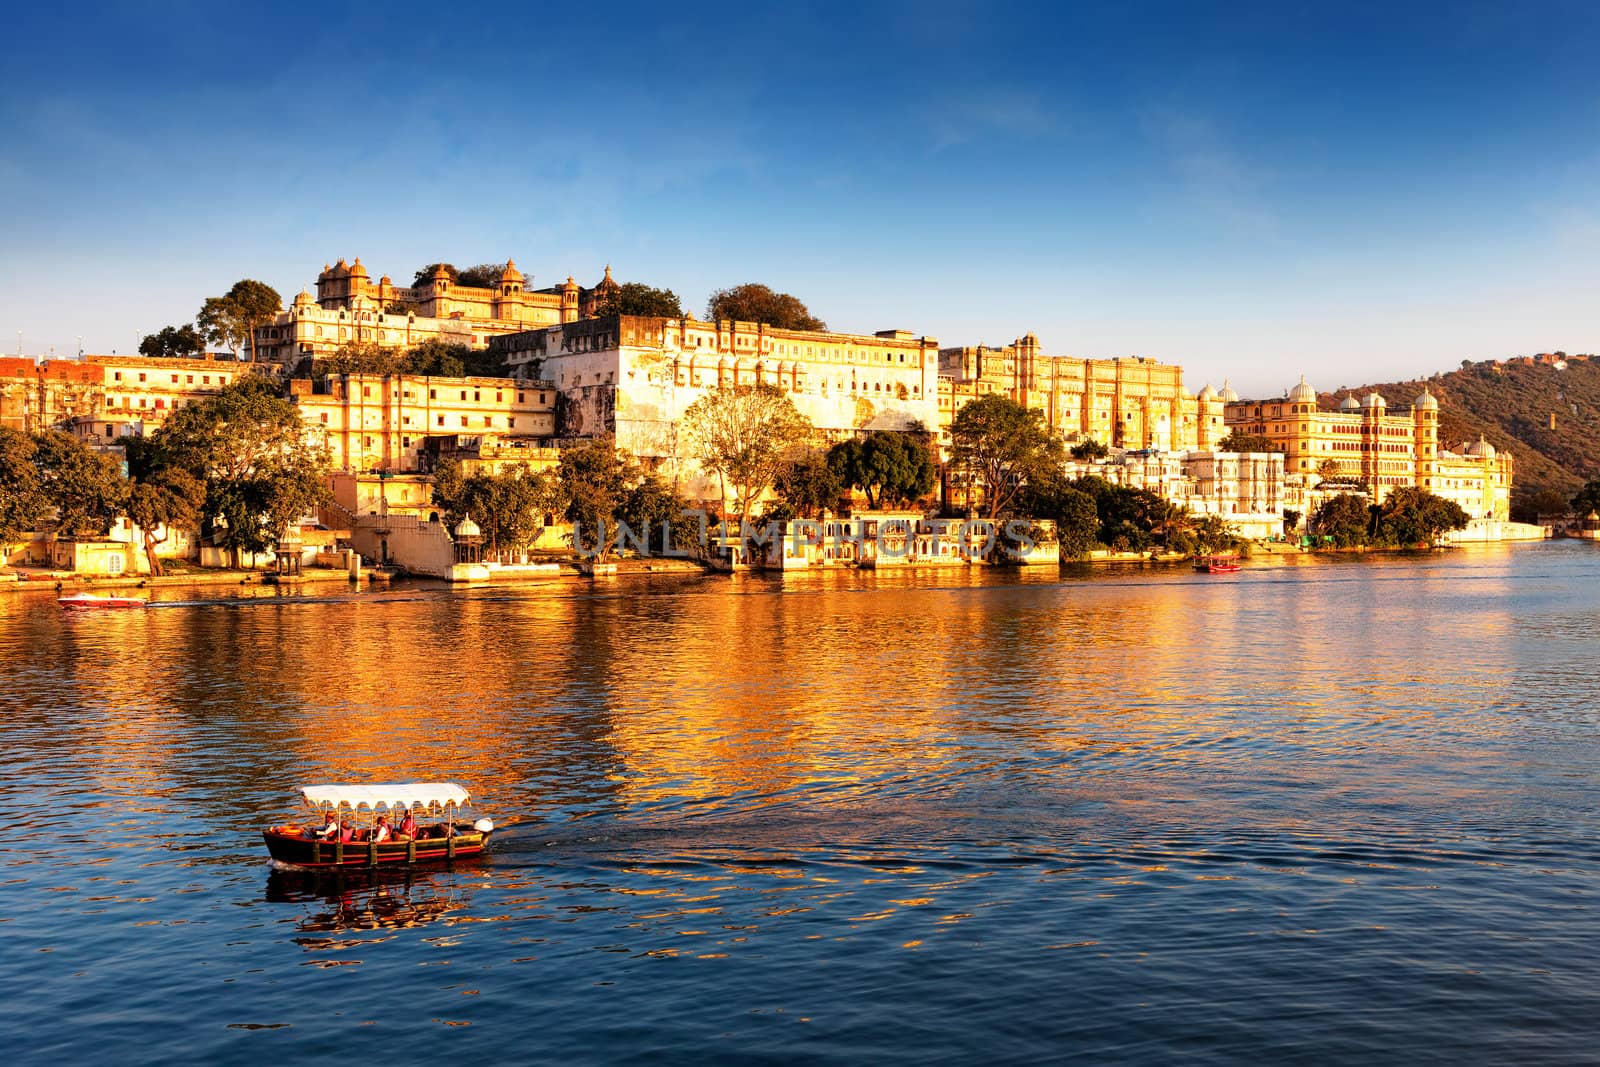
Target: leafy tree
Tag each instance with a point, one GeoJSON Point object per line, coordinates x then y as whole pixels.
{"type": "Point", "coordinates": [1089, 450]}
{"type": "Point", "coordinates": [888, 466]}
{"type": "Point", "coordinates": [425, 275]}
{"type": "Point", "coordinates": [1329, 470]}
{"type": "Point", "coordinates": [1000, 445]}
{"type": "Point", "coordinates": [807, 485]}
{"type": "Point", "coordinates": [745, 434]}
{"type": "Point", "coordinates": [1239, 441]}
{"type": "Point", "coordinates": [232, 319]}
{"type": "Point", "coordinates": [180, 342]}
{"type": "Point", "coordinates": [1213, 533]}
{"type": "Point", "coordinates": [1291, 518]}
{"type": "Point", "coordinates": [246, 446]}
{"type": "Point", "coordinates": [1587, 499]}
{"type": "Point", "coordinates": [594, 478]}
{"type": "Point", "coordinates": [1345, 518]}
{"type": "Point", "coordinates": [360, 357]}
{"type": "Point", "coordinates": [438, 358]}
{"type": "Point", "coordinates": [481, 276]}
{"type": "Point", "coordinates": [160, 496]}
{"type": "Point", "coordinates": [754, 302]}
{"type": "Point", "coordinates": [23, 504]}
{"type": "Point", "coordinates": [1412, 516]}
{"type": "Point", "coordinates": [85, 487]}
{"type": "Point", "coordinates": [1131, 519]}
{"type": "Point", "coordinates": [1053, 496]}
{"type": "Point", "coordinates": [652, 508]}
{"type": "Point", "coordinates": [636, 298]}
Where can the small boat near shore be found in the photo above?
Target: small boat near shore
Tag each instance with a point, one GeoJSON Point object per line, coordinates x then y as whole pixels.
{"type": "Point", "coordinates": [1218, 564]}
{"type": "Point", "coordinates": [91, 600]}
{"type": "Point", "coordinates": [358, 839]}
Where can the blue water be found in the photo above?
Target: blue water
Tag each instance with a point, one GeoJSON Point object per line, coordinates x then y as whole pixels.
{"type": "Point", "coordinates": [1317, 811]}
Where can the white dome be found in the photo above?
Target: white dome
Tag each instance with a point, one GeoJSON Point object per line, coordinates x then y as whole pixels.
{"type": "Point", "coordinates": [1373, 399]}
{"type": "Point", "coordinates": [1482, 448]}
{"type": "Point", "coordinates": [467, 528]}
{"type": "Point", "coordinates": [1228, 395]}
{"type": "Point", "coordinates": [1426, 400]}
{"type": "Point", "coordinates": [1303, 393]}
{"type": "Point", "coordinates": [1350, 403]}
{"type": "Point", "coordinates": [1207, 393]}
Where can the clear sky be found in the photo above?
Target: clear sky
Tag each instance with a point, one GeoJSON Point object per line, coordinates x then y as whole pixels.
{"type": "Point", "coordinates": [1254, 192]}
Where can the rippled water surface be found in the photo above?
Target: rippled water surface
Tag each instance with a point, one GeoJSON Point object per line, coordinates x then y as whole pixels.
{"type": "Point", "coordinates": [1314, 811]}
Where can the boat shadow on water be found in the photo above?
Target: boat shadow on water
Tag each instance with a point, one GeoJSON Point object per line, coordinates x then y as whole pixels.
{"type": "Point", "coordinates": [345, 901]}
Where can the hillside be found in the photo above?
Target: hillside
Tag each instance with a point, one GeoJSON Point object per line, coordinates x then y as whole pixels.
{"type": "Point", "coordinates": [1511, 405]}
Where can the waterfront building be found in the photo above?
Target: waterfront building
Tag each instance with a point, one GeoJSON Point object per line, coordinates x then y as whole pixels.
{"type": "Point", "coordinates": [350, 308]}
{"type": "Point", "coordinates": [371, 422]}
{"type": "Point", "coordinates": [1132, 402]}
{"type": "Point", "coordinates": [105, 397]}
{"type": "Point", "coordinates": [634, 377]}
{"type": "Point", "coordinates": [1362, 442]}
{"type": "Point", "coordinates": [1248, 489]}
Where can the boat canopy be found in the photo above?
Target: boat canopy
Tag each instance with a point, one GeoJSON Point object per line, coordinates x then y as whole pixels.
{"type": "Point", "coordinates": [401, 795]}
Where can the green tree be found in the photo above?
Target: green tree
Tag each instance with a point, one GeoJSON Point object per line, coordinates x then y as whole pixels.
{"type": "Point", "coordinates": [754, 302]}
{"type": "Point", "coordinates": [232, 319]}
{"type": "Point", "coordinates": [1213, 533]}
{"type": "Point", "coordinates": [482, 275]}
{"type": "Point", "coordinates": [594, 478]}
{"type": "Point", "coordinates": [1239, 441]}
{"type": "Point", "coordinates": [425, 275]}
{"type": "Point", "coordinates": [1329, 470]}
{"type": "Point", "coordinates": [438, 358]}
{"type": "Point", "coordinates": [1587, 499]}
{"type": "Point", "coordinates": [160, 496]}
{"type": "Point", "coordinates": [806, 485]}
{"type": "Point", "coordinates": [636, 298]}
{"type": "Point", "coordinates": [359, 357]}
{"type": "Point", "coordinates": [999, 445]}
{"type": "Point", "coordinates": [1089, 450]}
{"type": "Point", "coordinates": [180, 342]}
{"type": "Point", "coordinates": [1345, 518]}
{"type": "Point", "coordinates": [655, 512]}
{"type": "Point", "coordinates": [85, 487]}
{"type": "Point", "coordinates": [247, 447]}
{"type": "Point", "coordinates": [745, 434]}
{"type": "Point", "coordinates": [1052, 496]}
{"type": "Point", "coordinates": [23, 504]}
{"type": "Point", "coordinates": [887, 465]}
{"type": "Point", "coordinates": [1412, 516]}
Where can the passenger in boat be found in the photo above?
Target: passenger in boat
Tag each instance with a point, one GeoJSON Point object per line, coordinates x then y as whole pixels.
{"type": "Point", "coordinates": [380, 831]}
{"type": "Point", "coordinates": [347, 833]}
{"type": "Point", "coordinates": [329, 828]}
{"type": "Point", "coordinates": [408, 825]}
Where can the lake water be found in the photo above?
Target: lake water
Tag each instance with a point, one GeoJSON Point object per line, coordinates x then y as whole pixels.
{"type": "Point", "coordinates": [1319, 810]}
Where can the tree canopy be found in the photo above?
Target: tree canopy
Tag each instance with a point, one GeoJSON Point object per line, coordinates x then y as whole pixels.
{"type": "Point", "coordinates": [636, 298]}
{"type": "Point", "coordinates": [178, 342]}
{"type": "Point", "coordinates": [425, 274]}
{"type": "Point", "coordinates": [999, 445]}
{"type": "Point", "coordinates": [509, 507]}
{"type": "Point", "coordinates": [888, 466]}
{"type": "Point", "coordinates": [481, 275]}
{"type": "Point", "coordinates": [231, 319]}
{"type": "Point", "coordinates": [246, 446]}
{"type": "Point", "coordinates": [1412, 516]}
{"type": "Point", "coordinates": [85, 487]}
{"type": "Point", "coordinates": [754, 302]}
{"type": "Point", "coordinates": [744, 434]}
{"type": "Point", "coordinates": [1051, 495]}
{"type": "Point", "coordinates": [1089, 450]}
{"type": "Point", "coordinates": [1345, 518]}
{"type": "Point", "coordinates": [1239, 441]}
{"type": "Point", "coordinates": [806, 485]}
{"type": "Point", "coordinates": [161, 496]}
{"type": "Point", "coordinates": [594, 478]}
{"type": "Point", "coordinates": [23, 503]}
{"type": "Point", "coordinates": [1587, 499]}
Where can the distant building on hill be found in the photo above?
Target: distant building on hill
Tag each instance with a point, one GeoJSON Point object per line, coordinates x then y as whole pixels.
{"type": "Point", "coordinates": [1361, 442]}
{"type": "Point", "coordinates": [350, 308]}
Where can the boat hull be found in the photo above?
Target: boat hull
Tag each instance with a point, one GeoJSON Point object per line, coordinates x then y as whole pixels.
{"type": "Point", "coordinates": [99, 602]}
{"type": "Point", "coordinates": [305, 852]}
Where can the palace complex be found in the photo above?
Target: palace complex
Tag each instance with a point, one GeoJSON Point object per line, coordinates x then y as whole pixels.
{"type": "Point", "coordinates": [350, 308]}
{"type": "Point", "coordinates": [1361, 443]}
{"type": "Point", "coordinates": [1134, 402]}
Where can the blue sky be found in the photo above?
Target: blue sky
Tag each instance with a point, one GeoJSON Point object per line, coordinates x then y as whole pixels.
{"type": "Point", "coordinates": [1254, 192]}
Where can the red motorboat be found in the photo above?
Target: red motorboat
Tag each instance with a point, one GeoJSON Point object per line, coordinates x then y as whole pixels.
{"type": "Point", "coordinates": [354, 839]}
{"type": "Point", "coordinates": [1222, 564]}
{"type": "Point", "coordinates": [90, 600]}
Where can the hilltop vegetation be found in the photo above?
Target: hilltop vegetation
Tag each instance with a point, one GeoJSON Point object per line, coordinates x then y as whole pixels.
{"type": "Point", "coordinates": [1510, 405]}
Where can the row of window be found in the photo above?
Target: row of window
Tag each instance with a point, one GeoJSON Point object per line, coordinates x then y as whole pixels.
{"type": "Point", "coordinates": [205, 379]}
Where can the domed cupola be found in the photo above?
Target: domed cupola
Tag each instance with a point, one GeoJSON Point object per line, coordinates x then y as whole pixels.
{"type": "Point", "coordinates": [1426, 401]}
{"type": "Point", "coordinates": [467, 528]}
{"type": "Point", "coordinates": [1374, 400]}
{"type": "Point", "coordinates": [1302, 393]}
{"type": "Point", "coordinates": [1350, 403]}
{"type": "Point", "coordinates": [1481, 448]}
{"type": "Point", "coordinates": [1207, 393]}
{"type": "Point", "coordinates": [1228, 395]}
